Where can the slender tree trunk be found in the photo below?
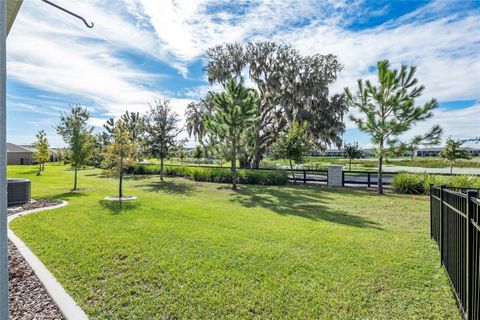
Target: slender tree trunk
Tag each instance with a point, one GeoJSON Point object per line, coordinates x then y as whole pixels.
{"type": "Point", "coordinates": [120, 184]}
{"type": "Point", "coordinates": [380, 176]}
{"type": "Point", "coordinates": [293, 173]}
{"type": "Point", "coordinates": [451, 169]}
{"type": "Point", "coordinates": [161, 169]}
{"type": "Point", "coordinates": [350, 165]}
{"type": "Point", "coordinates": [75, 179]}
{"type": "Point", "coordinates": [234, 165]}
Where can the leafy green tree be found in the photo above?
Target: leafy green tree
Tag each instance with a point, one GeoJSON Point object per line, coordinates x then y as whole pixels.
{"type": "Point", "coordinates": [351, 151]}
{"type": "Point", "coordinates": [120, 153]}
{"type": "Point", "coordinates": [197, 153]}
{"type": "Point", "coordinates": [162, 129]}
{"type": "Point", "coordinates": [234, 112]}
{"type": "Point", "coordinates": [134, 122]}
{"type": "Point", "coordinates": [181, 152]}
{"type": "Point", "coordinates": [388, 110]}
{"type": "Point", "coordinates": [293, 145]}
{"type": "Point", "coordinates": [42, 152]}
{"type": "Point", "coordinates": [290, 87]}
{"type": "Point", "coordinates": [77, 134]}
{"type": "Point", "coordinates": [453, 151]}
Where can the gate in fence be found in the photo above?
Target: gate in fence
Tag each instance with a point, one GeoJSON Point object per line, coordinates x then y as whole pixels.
{"type": "Point", "coordinates": [454, 225]}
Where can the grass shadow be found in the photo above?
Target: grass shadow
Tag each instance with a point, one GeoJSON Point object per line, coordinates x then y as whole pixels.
{"type": "Point", "coordinates": [306, 202]}
{"type": "Point", "coordinates": [68, 195]}
{"type": "Point", "coordinates": [117, 207]}
{"type": "Point", "coordinates": [175, 187]}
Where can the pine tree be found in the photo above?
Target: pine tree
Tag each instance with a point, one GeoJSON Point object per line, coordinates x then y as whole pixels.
{"type": "Point", "coordinates": [388, 110]}
{"type": "Point", "coordinates": [234, 112]}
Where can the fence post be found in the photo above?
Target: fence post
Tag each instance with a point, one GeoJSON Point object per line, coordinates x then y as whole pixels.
{"type": "Point", "coordinates": [431, 212]}
{"type": "Point", "coordinates": [469, 251]}
{"type": "Point", "coordinates": [343, 179]}
{"type": "Point", "coordinates": [441, 224]}
{"type": "Point", "coordinates": [369, 181]}
{"type": "Point", "coordinates": [304, 176]}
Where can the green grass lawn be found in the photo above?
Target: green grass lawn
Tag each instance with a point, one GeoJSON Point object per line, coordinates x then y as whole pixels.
{"type": "Point", "coordinates": [200, 251]}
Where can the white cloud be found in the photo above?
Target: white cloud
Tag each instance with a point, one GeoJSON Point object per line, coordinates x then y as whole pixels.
{"type": "Point", "coordinates": [52, 51]}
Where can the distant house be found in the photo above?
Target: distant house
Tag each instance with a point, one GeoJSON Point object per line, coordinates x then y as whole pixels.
{"type": "Point", "coordinates": [435, 152]}
{"type": "Point", "coordinates": [19, 155]}
{"type": "Point", "coordinates": [53, 151]}
{"type": "Point", "coordinates": [333, 153]}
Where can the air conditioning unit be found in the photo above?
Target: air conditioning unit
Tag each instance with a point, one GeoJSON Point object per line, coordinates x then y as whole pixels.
{"type": "Point", "coordinates": [19, 191]}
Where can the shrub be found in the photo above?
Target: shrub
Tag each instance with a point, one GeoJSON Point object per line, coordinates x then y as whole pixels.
{"type": "Point", "coordinates": [220, 175]}
{"type": "Point", "coordinates": [409, 183]}
{"type": "Point", "coordinates": [415, 183]}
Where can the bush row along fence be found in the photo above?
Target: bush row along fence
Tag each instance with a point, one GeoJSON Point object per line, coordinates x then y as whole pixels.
{"type": "Point", "coordinates": [454, 225]}
{"type": "Point", "coordinates": [305, 176]}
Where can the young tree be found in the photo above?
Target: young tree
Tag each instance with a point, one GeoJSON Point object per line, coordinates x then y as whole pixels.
{"type": "Point", "coordinates": [352, 151]}
{"type": "Point", "coordinates": [453, 151]}
{"type": "Point", "coordinates": [234, 112]}
{"type": "Point", "coordinates": [77, 134]}
{"type": "Point", "coordinates": [60, 156]}
{"type": "Point", "coordinates": [197, 153]}
{"type": "Point", "coordinates": [120, 153]}
{"type": "Point", "coordinates": [293, 145]}
{"type": "Point", "coordinates": [134, 122]}
{"type": "Point", "coordinates": [181, 153]}
{"type": "Point", "coordinates": [162, 131]}
{"type": "Point", "coordinates": [42, 152]}
{"type": "Point", "coordinates": [388, 110]}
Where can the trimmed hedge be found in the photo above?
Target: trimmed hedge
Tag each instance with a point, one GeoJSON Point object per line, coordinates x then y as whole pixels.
{"type": "Point", "coordinates": [222, 175]}
{"type": "Point", "coordinates": [419, 183]}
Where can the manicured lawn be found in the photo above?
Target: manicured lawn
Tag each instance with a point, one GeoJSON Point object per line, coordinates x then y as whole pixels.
{"type": "Point", "coordinates": [199, 250]}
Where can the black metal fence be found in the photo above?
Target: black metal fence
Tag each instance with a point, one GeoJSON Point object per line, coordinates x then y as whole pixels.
{"type": "Point", "coordinates": [454, 225]}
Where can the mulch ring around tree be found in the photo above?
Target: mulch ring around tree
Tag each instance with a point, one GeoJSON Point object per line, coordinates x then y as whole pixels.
{"type": "Point", "coordinates": [33, 204]}
{"type": "Point", "coordinates": [28, 298]}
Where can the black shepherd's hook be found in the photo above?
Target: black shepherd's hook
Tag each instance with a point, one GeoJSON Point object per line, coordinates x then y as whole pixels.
{"type": "Point", "coordinates": [69, 12]}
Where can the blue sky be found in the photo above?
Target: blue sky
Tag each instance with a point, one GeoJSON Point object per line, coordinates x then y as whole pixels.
{"type": "Point", "coordinates": [140, 50]}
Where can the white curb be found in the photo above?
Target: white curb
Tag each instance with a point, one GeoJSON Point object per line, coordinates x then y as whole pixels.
{"type": "Point", "coordinates": [65, 303]}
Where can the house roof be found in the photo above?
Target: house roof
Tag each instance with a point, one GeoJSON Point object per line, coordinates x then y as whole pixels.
{"type": "Point", "coordinates": [16, 148]}
{"type": "Point", "coordinates": [12, 9]}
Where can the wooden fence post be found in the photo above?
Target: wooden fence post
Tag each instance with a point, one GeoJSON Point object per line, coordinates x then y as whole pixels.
{"type": "Point", "coordinates": [369, 180]}
{"type": "Point", "coordinates": [304, 176]}
{"type": "Point", "coordinates": [469, 251]}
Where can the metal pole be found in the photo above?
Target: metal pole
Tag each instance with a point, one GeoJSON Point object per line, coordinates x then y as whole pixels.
{"type": "Point", "coordinates": [3, 167]}
{"type": "Point", "coordinates": [442, 187]}
{"type": "Point", "coordinates": [469, 252]}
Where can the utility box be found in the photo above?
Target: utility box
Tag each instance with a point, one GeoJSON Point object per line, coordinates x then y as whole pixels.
{"type": "Point", "coordinates": [335, 175]}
